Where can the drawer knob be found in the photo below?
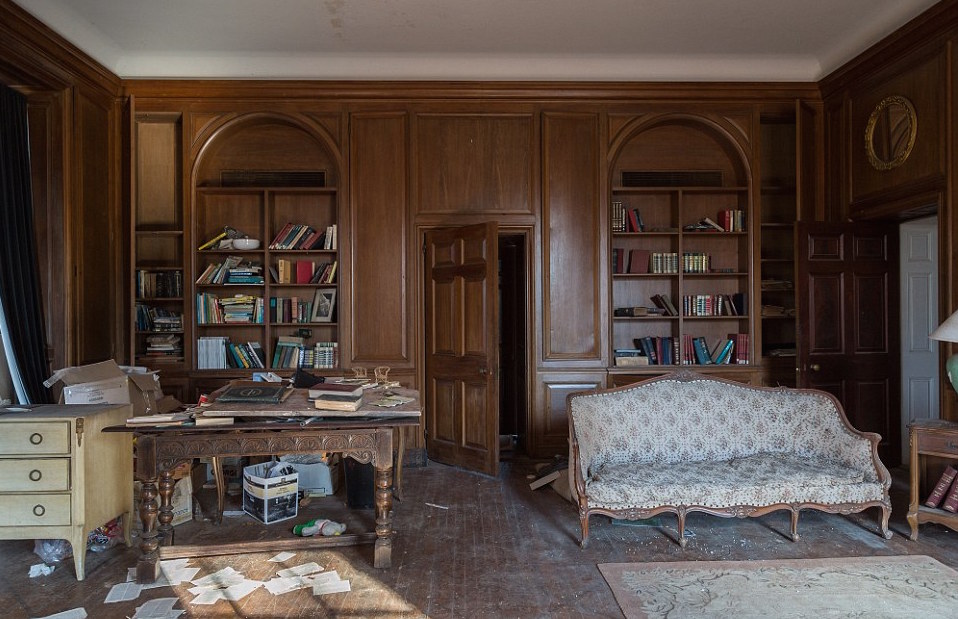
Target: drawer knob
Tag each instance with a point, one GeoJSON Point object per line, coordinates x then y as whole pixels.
{"type": "Point", "coordinates": [39, 510]}
{"type": "Point", "coordinates": [35, 475]}
{"type": "Point", "coordinates": [36, 438]}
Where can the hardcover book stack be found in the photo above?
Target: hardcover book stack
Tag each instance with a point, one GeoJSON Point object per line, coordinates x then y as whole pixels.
{"type": "Point", "coordinates": [945, 493]}
{"type": "Point", "coordinates": [337, 396]}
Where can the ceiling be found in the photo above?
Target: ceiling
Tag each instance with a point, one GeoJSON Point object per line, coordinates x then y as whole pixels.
{"type": "Point", "coordinates": [588, 40]}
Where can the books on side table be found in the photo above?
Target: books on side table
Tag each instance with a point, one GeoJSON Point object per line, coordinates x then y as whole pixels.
{"type": "Point", "coordinates": [945, 493]}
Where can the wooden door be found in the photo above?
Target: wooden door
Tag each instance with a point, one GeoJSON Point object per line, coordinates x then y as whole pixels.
{"type": "Point", "coordinates": [848, 322]}
{"type": "Point", "coordinates": [461, 340]}
{"type": "Point", "coordinates": [918, 279]}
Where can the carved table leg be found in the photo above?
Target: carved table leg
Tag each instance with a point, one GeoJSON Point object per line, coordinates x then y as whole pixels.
{"type": "Point", "coordinates": [397, 472]}
{"type": "Point", "coordinates": [148, 565]}
{"type": "Point", "coordinates": [166, 507]}
{"type": "Point", "coordinates": [220, 488]}
{"type": "Point", "coordinates": [384, 504]}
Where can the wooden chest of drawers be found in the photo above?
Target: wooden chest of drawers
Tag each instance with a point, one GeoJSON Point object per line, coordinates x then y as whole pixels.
{"type": "Point", "coordinates": [61, 477]}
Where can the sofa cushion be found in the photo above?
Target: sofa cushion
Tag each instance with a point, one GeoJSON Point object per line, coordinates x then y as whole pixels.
{"type": "Point", "coordinates": [758, 480]}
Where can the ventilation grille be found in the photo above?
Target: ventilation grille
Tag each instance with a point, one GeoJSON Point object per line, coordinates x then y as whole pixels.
{"type": "Point", "coordinates": [671, 178]}
{"type": "Point", "coordinates": [273, 178]}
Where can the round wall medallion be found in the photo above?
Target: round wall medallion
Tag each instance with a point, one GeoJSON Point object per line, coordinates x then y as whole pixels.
{"type": "Point", "coordinates": [890, 133]}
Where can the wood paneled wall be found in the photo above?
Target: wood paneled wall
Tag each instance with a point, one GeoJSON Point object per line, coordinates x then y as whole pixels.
{"type": "Point", "coordinates": [919, 62]}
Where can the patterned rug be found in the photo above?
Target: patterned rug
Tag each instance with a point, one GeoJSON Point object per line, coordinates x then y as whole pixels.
{"type": "Point", "coordinates": [866, 587]}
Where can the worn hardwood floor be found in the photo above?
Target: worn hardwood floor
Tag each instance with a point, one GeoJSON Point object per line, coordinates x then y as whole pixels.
{"type": "Point", "coordinates": [467, 546]}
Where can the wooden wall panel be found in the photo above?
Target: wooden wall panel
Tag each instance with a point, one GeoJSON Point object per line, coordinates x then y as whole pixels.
{"type": "Point", "coordinates": [549, 434]}
{"type": "Point", "coordinates": [377, 238]}
{"type": "Point", "coordinates": [926, 163]}
{"type": "Point", "coordinates": [468, 164]}
{"type": "Point", "coordinates": [94, 236]}
{"type": "Point", "coordinates": [574, 296]}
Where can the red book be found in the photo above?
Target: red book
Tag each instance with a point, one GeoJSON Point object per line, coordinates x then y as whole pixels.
{"type": "Point", "coordinates": [951, 501]}
{"type": "Point", "coordinates": [304, 271]}
{"type": "Point", "coordinates": [639, 261]}
{"type": "Point", "coordinates": [944, 482]}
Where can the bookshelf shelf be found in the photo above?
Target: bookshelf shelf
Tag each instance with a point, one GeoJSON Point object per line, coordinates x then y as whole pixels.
{"type": "Point", "coordinates": [667, 182]}
{"type": "Point", "coordinates": [931, 441]}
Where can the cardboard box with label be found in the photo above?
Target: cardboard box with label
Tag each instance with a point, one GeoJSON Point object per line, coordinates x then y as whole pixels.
{"type": "Point", "coordinates": [107, 383]}
{"type": "Point", "coordinates": [269, 499]}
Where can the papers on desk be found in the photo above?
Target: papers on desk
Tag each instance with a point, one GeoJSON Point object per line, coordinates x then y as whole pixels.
{"type": "Point", "coordinates": [389, 401]}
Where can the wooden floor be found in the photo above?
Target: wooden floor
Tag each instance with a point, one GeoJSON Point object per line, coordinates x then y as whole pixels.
{"type": "Point", "coordinates": [466, 546]}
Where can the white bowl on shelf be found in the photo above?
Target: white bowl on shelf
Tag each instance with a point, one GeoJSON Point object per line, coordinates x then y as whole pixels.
{"type": "Point", "coordinates": [245, 243]}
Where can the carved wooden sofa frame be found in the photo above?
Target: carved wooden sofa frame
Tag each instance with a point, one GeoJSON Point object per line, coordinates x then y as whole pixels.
{"type": "Point", "coordinates": [642, 403]}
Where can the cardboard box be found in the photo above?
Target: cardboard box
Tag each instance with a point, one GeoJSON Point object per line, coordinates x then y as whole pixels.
{"type": "Point", "coordinates": [105, 382]}
{"type": "Point", "coordinates": [182, 501]}
{"type": "Point", "coordinates": [319, 479]}
{"type": "Point", "coordinates": [269, 499]}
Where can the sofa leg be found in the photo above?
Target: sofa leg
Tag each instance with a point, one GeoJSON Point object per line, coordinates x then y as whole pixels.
{"type": "Point", "coordinates": [584, 523]}
{"type": "Point", "coordinates": [681, 517]}
{"type": "Point", "coordinates": [795, 511]}
{"type": "Point", "coordinates": [885, 515]}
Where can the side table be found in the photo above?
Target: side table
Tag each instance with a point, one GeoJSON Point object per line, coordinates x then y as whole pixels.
{"type": "Point", "coordinates": [931, 437]}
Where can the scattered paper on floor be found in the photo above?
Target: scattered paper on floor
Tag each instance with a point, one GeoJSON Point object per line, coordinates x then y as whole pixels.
{"type": "Point", "coordinates": [339, 586]}
{"type": "Point", "coordinates": [283, 556]}
{"type": "Point", "coordinates": [73, 613]}
{"type": "Point", "coordinates": [160, 608]}
{"type": "Point", "coordinates": [41, 569]}
{"type": "Point", "coordinates": [123, 592]}
{"type": "Point", "coordinates": [300, 570]}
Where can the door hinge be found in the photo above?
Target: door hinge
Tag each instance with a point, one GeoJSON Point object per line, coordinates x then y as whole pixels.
{"type": "Point", "coordinates": [79, 431]}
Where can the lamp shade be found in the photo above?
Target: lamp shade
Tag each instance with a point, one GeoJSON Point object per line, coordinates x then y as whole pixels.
{"type": "Point", "coordinates": [947, 331]}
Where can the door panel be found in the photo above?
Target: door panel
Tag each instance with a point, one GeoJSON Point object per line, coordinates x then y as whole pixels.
{"type": "Point", "coordinates": [848, 309]}
{"type": "Point", "coordinates": [461, 300]}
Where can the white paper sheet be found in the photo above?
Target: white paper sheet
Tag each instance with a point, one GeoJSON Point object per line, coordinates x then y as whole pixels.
{"type": "Point", "coordinates": [73, 613]}
{"type": "Point", "coordinates": [283, 556]}
{"type": "Point", "coordinates": [339, 586]}
{"type": "Point", "coordinates": [209, 596]}
{"type": "Point", "coordinates": [123, 592]}
{"type": "Point", "coordinates": [300, 570]}
{"type": "Point", "coordinates": [223, 578]}
{"type": "Point", "coordinates": [40, 569]}
{"type": "Point", "coordinates": [241, 590]}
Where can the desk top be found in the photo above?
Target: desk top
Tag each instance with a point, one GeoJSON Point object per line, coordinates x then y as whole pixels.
{"type": "Point", "coordinates": [299, 405]}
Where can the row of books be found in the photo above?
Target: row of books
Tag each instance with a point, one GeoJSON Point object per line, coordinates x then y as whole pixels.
{"type": "Point", "coordinates": [732, 220]}
{"type": "Point", "coordinates": [158, 284]}
{"type": "Point", "coordinates": [238, 309]}
{"type": "Point", "coordinates": [696, 262]}
{"type": "Point", "coordinates": [219, 353]}
{"type": "Point", "coordinates": [945, 492]}
{"type": "Point", "coordinates": [290, 310]}
{"type": "Point", "coordinates": [149, 318]}
{"type": "Point", "coordinates": [625, 219]}
{"type": "Point", "coordinates": [714, 304]}
{"type": "Point", "coordinates": [302, 236]}
{"type": "Point", "coordinates": [233, 270]}
{"type": "Point", "coordinates": [687, 350]}
{"type": "Point", "coordinates": [303, 272]}
{"type": "Point", "coordinates": [164, 345]}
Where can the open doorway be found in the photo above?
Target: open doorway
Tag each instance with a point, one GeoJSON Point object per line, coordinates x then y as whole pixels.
{"type": "Point", "coordinates": [918, 263]}
{"type": "Point", "coordinates": [513, 364]}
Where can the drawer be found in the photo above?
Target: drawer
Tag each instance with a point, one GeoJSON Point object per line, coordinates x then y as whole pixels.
{"type": "Point", "coordinates": [939, 442]}
{"type": "Point", "coordinates": [29, 438]}
{"type": "Point", "coordinates": [35, 475]}
{"type": "Point", "coordinates": [33, 510]}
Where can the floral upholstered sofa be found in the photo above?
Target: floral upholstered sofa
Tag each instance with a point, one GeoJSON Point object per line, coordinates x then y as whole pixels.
{"type": "Point", "coordinates": [685, 442]}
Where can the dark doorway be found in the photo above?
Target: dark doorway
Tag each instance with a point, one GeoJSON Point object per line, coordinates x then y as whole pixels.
{"type": "Point", "coordinates": [512, 344]}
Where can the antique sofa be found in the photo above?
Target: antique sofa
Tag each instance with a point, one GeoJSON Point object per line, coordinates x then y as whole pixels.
{"type": "Point", "coordinates": [685, 442]}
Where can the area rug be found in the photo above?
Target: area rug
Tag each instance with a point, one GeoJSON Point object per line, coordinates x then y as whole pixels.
{"type": "Point", "coordinates": [872, 587]}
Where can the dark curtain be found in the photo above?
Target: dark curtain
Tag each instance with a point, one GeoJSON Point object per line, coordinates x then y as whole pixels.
{"type": "Point", "coordinates": [19, 282]}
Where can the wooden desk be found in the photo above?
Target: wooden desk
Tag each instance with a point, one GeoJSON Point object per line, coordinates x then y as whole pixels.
{"type": "Point", "coordinates": [931, 437]}
{"type": "Point", "coordinates": [160, 449]}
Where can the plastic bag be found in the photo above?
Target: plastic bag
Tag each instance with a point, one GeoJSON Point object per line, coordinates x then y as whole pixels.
{"type": "Point", "coordinates": [52, 550]}
{"type": "Point", "coordinates": [105, 537]}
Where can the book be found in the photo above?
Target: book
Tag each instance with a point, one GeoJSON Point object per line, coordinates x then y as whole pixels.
{"type": "Point", "coordinates": [951, 499]}
{"type": "Point", "coordinates": [334, 405]}
{"type": "Point", "coordinates": [304, 271]}
{"type": "Point", "coordinates": [702, 356]}
{"type": "Point", "coordinates": [639, 261]}
{"type": "Point", "coordinates": [350, 389]}
{"type": "Point", "coordinates": [941, 488]}
{"type": "Point", "coordinates": [203, 420]}
{"type": "Point", "coordinates": [165, 419]}
{"type": "Point", "coordinates": [259, 393]}
{"type": "Point", "coordinates": [280, 236]}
